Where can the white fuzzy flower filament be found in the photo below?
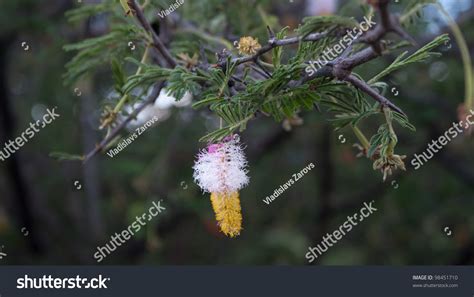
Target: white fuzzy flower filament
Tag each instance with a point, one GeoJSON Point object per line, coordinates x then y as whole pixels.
{"type": "Point", "coordinates": [221, 168]}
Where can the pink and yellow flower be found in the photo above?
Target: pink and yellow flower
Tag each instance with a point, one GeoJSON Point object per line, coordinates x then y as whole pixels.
{"type": "Point", "coordinates": [220, 169]}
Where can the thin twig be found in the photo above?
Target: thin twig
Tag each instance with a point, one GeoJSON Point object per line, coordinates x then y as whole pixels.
{"type": "Point", "coordinates": [263, 68]}
{"type": "Point", "coordinates": [340, 69]}
{"type": "Point", "coordinates": [157, 43]}
{"type": "Point", "coordinates": [151, 99]}
{"type": "Point", "coordinates": [364, 87]}
{"type": "Point", "coordinates": [273, 43]}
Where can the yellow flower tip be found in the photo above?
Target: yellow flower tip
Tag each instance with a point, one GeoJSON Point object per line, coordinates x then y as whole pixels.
{"type": "Point", "coordinates": [248, 45]}
{"type": "Point", "coordinates": [228, 215]}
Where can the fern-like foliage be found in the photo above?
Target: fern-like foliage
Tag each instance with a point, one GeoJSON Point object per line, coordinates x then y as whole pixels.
{"type": "Point", "coordinates": [419, 56]}
{"type": "Point", "coordinates": [272, 84]}
{"type": "Point", "coordinates": [322, 23]}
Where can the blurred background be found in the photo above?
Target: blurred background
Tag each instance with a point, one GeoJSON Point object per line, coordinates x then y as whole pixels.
{"type": "Point", "coordinates": [55, 212]}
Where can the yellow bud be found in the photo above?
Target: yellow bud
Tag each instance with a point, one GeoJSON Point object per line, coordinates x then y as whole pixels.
{"type": "Point", "coordinates": [248, 45]}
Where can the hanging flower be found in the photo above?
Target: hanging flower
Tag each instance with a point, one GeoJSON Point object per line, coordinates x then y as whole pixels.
{"type": "Point", "coordinates": [220, 169]}
{"type": "Point", "coordinates": [387, 160]}
{"type": "Point", "coordinates": [388, 163]}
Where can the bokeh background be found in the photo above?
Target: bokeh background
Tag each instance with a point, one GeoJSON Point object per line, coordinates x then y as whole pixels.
{"type": "Point", "coordinates": [46, 219]}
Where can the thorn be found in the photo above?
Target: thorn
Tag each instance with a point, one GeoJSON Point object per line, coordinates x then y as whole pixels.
{"type": "Point", "coordinates": [270, 32]}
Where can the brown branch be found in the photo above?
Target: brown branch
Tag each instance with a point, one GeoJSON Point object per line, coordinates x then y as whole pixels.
{"type": "Point", "coordinates": [273, 43]}
{"type": "Point", "coordinates": [339, 71]}
{"type": "Point", "coordinates": [359, 58]}
{"type": "Point", "coordinates": [151, 99]}
{"type": "Point", "coordinates": [364, 87]}
{"type": "Point", "coordinates": [342, 68]}
{"type": "Point", "coordinates": [157, 43]}
{"type": "Point", "coordinates": [263, 68]}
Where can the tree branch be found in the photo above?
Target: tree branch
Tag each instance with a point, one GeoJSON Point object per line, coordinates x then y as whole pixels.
{"type": "Point", "coordinates": [340, 69]}
{"type": "Point", "coordinates": [151, 99]}
{"type": "Point", "coordinates": [157, 43]}
{"type": "Point", "coordinates": [273, 43]}
{"type": "Point", "coordinates": [364, 87]}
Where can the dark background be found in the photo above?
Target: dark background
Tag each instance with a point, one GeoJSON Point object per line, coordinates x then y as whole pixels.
{"type": "Point", "coordinates": [66, 224]}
